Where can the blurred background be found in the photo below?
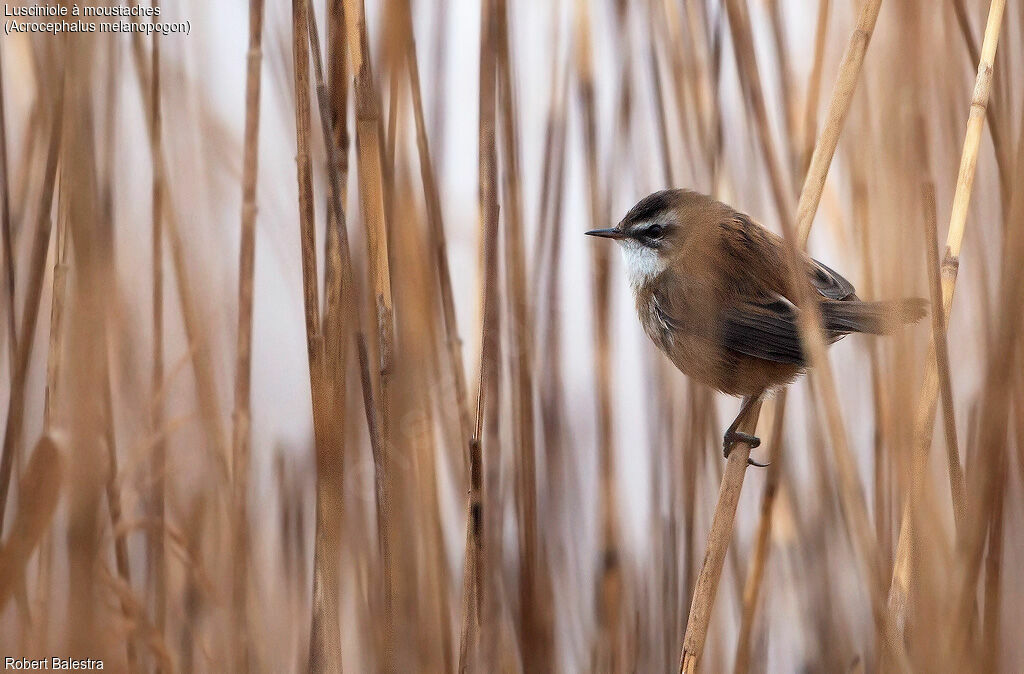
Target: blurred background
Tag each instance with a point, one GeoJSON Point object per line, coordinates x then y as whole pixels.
{"type": "Point", "coordinates": [244, 431]}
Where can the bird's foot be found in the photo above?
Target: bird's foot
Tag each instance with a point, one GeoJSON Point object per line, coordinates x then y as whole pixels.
{"type": "Point", "coordinates": [733, 437]}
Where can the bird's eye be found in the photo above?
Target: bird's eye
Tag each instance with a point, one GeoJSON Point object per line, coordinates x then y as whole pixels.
{"type": "Point", "coordinates": [654, 231]}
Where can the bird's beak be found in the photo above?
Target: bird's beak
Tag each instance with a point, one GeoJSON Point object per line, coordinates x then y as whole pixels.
{"type": "Point", "coordinates": [607, 233]}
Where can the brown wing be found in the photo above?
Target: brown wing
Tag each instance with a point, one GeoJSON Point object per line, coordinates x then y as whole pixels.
{"type": "Point", "coordinates": [760, 319]}
{"type": "Point", "coordinates": [764, 330]}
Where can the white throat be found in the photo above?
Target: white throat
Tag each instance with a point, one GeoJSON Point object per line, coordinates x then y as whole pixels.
{"type": "Point", "coordinates": [642, 263]}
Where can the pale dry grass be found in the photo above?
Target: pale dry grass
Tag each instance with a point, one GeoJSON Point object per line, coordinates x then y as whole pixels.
{"type": "Point", "coordinates": [549, 495]}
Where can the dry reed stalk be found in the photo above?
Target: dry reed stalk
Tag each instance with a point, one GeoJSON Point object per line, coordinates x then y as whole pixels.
{"type": "Point", "coordinates": [556, 479]}
{"type": "Point", "coordinates": [473, 566]}
{"type": "Point", "coordinates": [372, 207]}
{"type": "Point", "coordinates": [956, 471]}
{"type": "Point", "coordinates": [57, 308]}
{"type": "Point", "coordinates": [54, 357]}
{"type": "Point", "coordinates": [692, 73]}
{"type": "Point", "coordinates": [389, 136]}
{"type": "Point", "coordinates": [762, 540]}
{"type": "Point", "coordinates": [104, 239]}
{"type": "Point", "coordinates": [667, 171]}
{"type": "Point", "coordinates": [208, 401]}
{"type": "Point", "coordinates": [534, 636]}
{"type": "Point", "coordinates": [341, 308]}
{"type": "Point", "coordinates": [310, 284]}
{"type": "Point", "coordinates": [37, 269]}
{"type": "Point", "coordinates": [609, 582]}
{"type": "Point", "coordinates": [54, 362]}
{"type": "Point", "coordinates": [113, 486]}
{"type": "Point", "coordinates": [23, 176]}
{"type": "Point", "coordinates": [928, 400]}
{"type": "Point", "coordinates": [717, 129]}
{"type": "Point", "coordinates": [810, 119]}
{"type": "Point", "coordinates": [38, 494]}
{"type": "Point", "coordinates": [683, 57]}
{"type": "Point", "coordinates": [993, 572]}
{"type": "Point", "coordinates": [810, 196]}
{"type": "Point", "coordinates": [699, 402]}
{"type": "Point", "coordinates": [554, 152]}
{"type": "Point", "coordinates": [157, 550]}
{"type": "Point", "coordinates": [835, 117]}
{"type": "Point", "coordinates": [371, 190]}
{"type": "Point", "coordinates": [325, 628]}
{"type": "Point", "coordinates": [785, 73]}
{"type": "Point", "coordinates": [242, 430]}
{"type": "Point", "coordinates": [420, 363]}
{"type": "Point", "coordinates": [1000, 147]}
{"type": "Point", "coordinates": [1018, 403]}
{"type": "Point", "coordinates": [719, 536]}
{"type": "Point", "coordinates": [882, 425]}
{"type": "Point", "coordinates": [87, 358]}
{"type": "Point", "coordinates": [335, 339]}
{"type": "Point", "coordinates": [710, 437]}
{"type": "Point", "coordinates": [338, 309]}
{"type": "Point", "coordinates": [341, 320]}
{"type": "Point", "coordinates": [381, 500]}
{"type": "Point", "coordinates": [987, 475]}
{"type": "Point", "coordinates": [753, 93]}
{"type": "Point", "coordinates": [5, 229]}
{"type": "Point", "coordinates": [435, 222]}
{"type": "Point", "coordinates": [853, 502]}
{"type": "Point", "coordinates": [136, 615]}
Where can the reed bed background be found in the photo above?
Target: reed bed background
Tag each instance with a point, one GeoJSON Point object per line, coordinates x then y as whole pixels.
{"type": "Point", "coordinates": [309, 366]}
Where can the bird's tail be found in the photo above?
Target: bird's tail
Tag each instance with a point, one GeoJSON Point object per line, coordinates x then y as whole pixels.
{"type": "Point", "coordinates": [873, 318]}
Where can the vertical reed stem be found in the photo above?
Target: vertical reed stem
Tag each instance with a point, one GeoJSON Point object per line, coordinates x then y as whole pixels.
{"type": "Point", "coordinates": [924, 419]}
{"type": "Point", "coordinates": [956, 471]}
{"type": "Point", "coordinates": [37, 269]}
{"type": "Point", "coordinates": [242, 431]}
{"type": "Point", "coordinates": [159, 470]}
{"type": "Point", "coordinates": [325, 627]}
{"type": "Point", "coordinates": [5, 228]}
{"type": "Point", "coordinates": [810, 196]}
{"type": "Point", "coordinates": [473, 567]}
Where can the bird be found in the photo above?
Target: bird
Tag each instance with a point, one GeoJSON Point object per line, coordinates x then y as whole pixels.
{"type": "Point", "coordinates": [714, 292]}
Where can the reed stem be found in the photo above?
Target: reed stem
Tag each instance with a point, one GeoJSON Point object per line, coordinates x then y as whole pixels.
{"type": "Point", "coordinates": [924, 419]}
{"type": "Point", "coordinates": [473, 567]}
{"type": "Point", "coordinates": [810, 196]}
{"type": "Point", "coordinates": [242, 430]}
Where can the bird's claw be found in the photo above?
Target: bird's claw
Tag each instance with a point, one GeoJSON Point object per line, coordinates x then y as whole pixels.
{"type": "Point", "coordinates": [752, 441]}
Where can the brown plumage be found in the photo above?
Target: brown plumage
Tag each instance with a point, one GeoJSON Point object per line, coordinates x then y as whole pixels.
{"type": "Point", "coordinates": [714, 292]}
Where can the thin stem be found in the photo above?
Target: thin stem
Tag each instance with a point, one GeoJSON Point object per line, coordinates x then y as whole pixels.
{"type": "Point", "coordinates": [956, 471]}
{"type": "Point", "coordinates": [242, 431]}
{"type": "Point", "coordinates": [762, 540]}
{"type": "Point", "coordinates": [39, 493]}
{"type": "Point", "coordinates": [5, 228]}
{"type": "Point", "coordinates": [159, 469]}
{"type": "Point", "coordinates": [372, 204]}
{"type": "Point", "coordinates": [924, 419]}
{"type": "Point", "coordinates": [435, 222]}
{"type": "Point", "coordinates": [718, 543]}
{"type": "Point", "coordinates": [325, 628]}
{"type": "Point", "coordinates": [810, 196]}
{"type": "Point", "coordinates": [473, 585]}
{"type": "Point", "coordinates": [810, 120]}
{"type": "Point", "coordinates": [37, 269]}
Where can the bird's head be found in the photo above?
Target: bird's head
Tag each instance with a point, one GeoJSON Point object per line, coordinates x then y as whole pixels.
{"type": "Point", "coordinates": [651, 234]}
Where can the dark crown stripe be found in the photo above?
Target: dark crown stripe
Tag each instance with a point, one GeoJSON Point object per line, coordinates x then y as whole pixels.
{"type": "Point", "coordinates": [650, 206]}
